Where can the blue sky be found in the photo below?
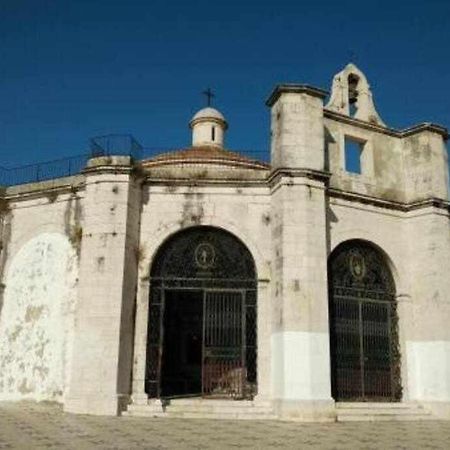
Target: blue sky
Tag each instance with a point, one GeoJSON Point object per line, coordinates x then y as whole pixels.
{"type": "Point", "coordinates": [71, 70]}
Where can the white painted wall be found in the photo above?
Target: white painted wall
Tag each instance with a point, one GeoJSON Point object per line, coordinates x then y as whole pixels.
{"type": "Point", "coordinates": [429, 370]}
{"type": "Point", "coordinates": [202, 133]}
{"type": "Point", "coordinates": [36, 321]}
{"type": "Point", "coordinates": [300, 367]}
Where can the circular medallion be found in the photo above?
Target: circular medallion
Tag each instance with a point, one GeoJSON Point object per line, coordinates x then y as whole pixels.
{"type": "Point", "coordinates": [357, 266]}
{"type": "Point", "coordinates": [205, 255]}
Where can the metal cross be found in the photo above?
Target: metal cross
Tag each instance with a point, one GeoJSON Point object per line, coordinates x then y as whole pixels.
{"type": "Point", "coordinates": [209, 95]}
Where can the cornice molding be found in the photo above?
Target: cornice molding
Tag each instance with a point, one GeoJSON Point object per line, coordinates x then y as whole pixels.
{"type": "Point", "coordinates": [389, 204]}
{"type": "Point", "coordinates": [295, 89]}
{"type": "Point", "coordinates": [419, 128]}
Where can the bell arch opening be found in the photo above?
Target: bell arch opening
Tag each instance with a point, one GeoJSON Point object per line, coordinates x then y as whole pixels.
{"type": "Point", "coordinates": [202, 323]}
{"type": "Point", "coordinates": [364, 340]}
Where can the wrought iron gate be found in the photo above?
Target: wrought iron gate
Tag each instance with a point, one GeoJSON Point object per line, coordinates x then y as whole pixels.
{"type": "Point", "coordinates": [224, 371]}
{"type": "Point", "coordinates": [363, 325]}
{"type": "Point", "coordinates": [216, 263]}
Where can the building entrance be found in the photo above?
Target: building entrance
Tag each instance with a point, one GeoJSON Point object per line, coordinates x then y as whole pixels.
{"type": "Point", "coordinates": [181, 365]}
{"type": "Point", "coordinates": [202, 334]}
{"type": "Point", "coordinates": [365, 355]}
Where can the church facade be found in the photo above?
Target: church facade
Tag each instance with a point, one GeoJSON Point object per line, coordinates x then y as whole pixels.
{"type": "Point", "coordinates": [203, 282]}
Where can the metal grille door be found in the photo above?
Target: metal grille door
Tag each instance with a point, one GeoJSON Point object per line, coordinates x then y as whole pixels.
{"type": "Point", "coordinates": [362, 342]}
{"type": "Point", "coordinates": [363, 325]}
{"type": "Point", "coordinates": [224, 372]}
{"type": "Point", "coordinates": [221, 354]}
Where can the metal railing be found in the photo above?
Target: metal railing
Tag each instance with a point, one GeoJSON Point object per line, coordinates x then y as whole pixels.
{"type": "Point", "coordinates": [116, 144]}
{"type": "Point", "coordinates": [111, 145]}
{"type": "Point", "coordinates": [34, 173]}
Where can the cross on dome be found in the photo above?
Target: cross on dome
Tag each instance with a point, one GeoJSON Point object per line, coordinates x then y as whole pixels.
{"type": "Point", "coordinates": [209, 96]}
{"type": "Point", "coordinates": [208, 125]}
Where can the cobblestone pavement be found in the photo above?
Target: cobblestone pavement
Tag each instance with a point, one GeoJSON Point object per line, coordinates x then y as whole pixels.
{"type": "Point", "coordinates": [41, 425]}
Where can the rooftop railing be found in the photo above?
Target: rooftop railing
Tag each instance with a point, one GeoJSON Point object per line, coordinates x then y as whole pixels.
{"type": "Point", "coordinates": [110, 145]}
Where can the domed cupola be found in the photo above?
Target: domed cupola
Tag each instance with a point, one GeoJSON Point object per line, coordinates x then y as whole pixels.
{"type": "Point", "coordinates": [208, 128]}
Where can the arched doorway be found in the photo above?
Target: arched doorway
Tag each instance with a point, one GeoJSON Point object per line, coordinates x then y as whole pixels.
{"type": "Point", "coordinates": [202, 333]}
{"type": "Point", "coordinates": [365, 357]}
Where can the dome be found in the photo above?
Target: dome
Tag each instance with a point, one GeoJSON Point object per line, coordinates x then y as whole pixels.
{"type": "Point", "coordinates": [208, 127]}
{"type": "Point", "coordinates": [208, 113]}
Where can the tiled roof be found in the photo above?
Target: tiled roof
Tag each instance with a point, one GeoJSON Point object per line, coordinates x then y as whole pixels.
{"type": "Point", "coordinates": [207, 154]}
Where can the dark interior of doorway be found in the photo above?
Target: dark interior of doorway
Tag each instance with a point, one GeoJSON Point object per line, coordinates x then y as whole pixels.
{"type": "Point", "coordinates": [183, 342]}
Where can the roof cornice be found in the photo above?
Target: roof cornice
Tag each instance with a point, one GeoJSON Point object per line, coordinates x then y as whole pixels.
{"type": "Point", "coordinates": [295, 89]}
{"type": "Point", "coordinates": [419, 128]}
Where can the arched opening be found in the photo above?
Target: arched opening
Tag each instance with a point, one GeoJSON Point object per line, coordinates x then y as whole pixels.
{"type": "Point", "coordinates": [365, 356]}
{"type": "Point", "coordinates": [353, 81]}
{"type": "Point", "coordinates": [202, 334]}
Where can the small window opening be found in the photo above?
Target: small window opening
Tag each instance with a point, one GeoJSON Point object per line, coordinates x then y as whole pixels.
{"type": "Point", "coordinates": [353, 153]}
{"type": "Point", "coordinates": [353, 81]}
{"type": "Point", "coordinates": [213, 134]}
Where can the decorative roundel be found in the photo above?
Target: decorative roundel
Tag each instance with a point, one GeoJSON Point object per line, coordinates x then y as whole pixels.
{"type": "Point", "coordinates": [205, 255]}
{"type": "Point", "coordinates": [357, 266]}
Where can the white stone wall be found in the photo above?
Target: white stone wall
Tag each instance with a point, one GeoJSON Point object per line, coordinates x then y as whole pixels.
{"type": "Point", "coordinates": [428, 343]}
{"type": "Point", "coordinates": [398, 169]}
{"type": "Point", "coordinates": [39, 272]}
{"type": "Point", "coordinates": [242, 211]}
{"type": "Point", "coordinates": [297, 132]}
{"type": "Point", "coordinates": [100, 380]}
{"type": "Point", "coordinates": [36, 320]}
{"type": "Point", "coordinates": [417, 248]}
{"type": "Point", "coordinates": [202, 133]}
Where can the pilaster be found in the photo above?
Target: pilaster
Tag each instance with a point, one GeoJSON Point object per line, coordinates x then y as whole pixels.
{"type": "Point", "coordinates": [301, 386]}
{"type": "Point", "coordinates": [103, 344]}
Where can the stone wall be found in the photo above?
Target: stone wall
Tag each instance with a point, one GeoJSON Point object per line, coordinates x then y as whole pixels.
{"type": "Point", "coordinates": [39, 270]}
{"type": "Point", "coordinates": [395, 166]}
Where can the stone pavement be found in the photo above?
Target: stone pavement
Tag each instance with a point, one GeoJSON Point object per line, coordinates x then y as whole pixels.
{"type": "Point", "coordinates": [27, 425]}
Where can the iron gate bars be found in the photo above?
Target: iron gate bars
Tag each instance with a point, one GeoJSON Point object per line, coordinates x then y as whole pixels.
{"type": "Point", "coordinates": [223, 365]}
{"type": "Point", "coordinates": [363, 325]}
{"type": "Point", "coordinates": [229, 359]}
{"type": "Point", "coordinates": [214, 261]}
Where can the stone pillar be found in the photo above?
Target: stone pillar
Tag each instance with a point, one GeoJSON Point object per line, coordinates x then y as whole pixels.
{"type": "Point", "coordinates": [428, 339]}
{"type": "Point", "coordinates": [264, 336]}
{"type": "Point", "coordinates": [297, 127]}
{"type": "Point", "coordinates": [100, 380]}
{"type": "Point", "coordinates": [427, 232]}
{"type": "Point", "coordinates": [140, 343]}
{"type": "Point", "coordinates": [425, 163]}
{"type": "Point", "coordinates": [300, 335]}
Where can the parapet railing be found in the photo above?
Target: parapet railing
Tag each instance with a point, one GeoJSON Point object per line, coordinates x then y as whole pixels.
{"type": "Point", "coordinates": [66, 167]}
{"type": "Point", "coordinates": [49, 170]}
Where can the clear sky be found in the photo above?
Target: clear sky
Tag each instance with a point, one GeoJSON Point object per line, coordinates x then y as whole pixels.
{"type": "Point", "coordinates": [73, 69]}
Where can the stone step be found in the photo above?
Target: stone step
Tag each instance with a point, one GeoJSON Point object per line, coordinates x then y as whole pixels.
{"type": "Point", "coordinates": [223, 415]}
{"type": "Point", "coordinates": [217, 409]}
{"type": "Point", "coordinates": [212, 402]}
{"type": "Point", "coordinates": [353, 412]}
{"type": "Point", "coordinates": [205, 409]}
{"type": "Point", "coordinates": [383, 418]}
{"type": "Point", "coordinates": [376, 405]}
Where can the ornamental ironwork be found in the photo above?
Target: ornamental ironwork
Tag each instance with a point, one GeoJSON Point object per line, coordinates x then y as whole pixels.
{"type": "Point", "coordinates": [205, 255]}
{"type": "Point", "coordinates": [204, 252]}
{"type": "Point", "coordinates": [215, 273]}
{"type": "Point", "coordinates": [363, 325]}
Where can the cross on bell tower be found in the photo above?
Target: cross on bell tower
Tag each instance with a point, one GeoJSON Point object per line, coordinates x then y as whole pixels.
{"type": "Point", "coordinates": [209, 96]}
